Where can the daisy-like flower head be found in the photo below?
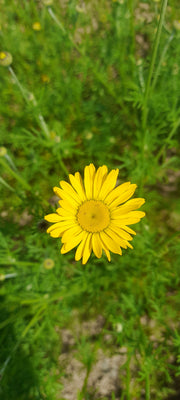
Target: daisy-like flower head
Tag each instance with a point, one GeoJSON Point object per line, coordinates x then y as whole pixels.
{"type": "Point", "coordinates": [94, 214]}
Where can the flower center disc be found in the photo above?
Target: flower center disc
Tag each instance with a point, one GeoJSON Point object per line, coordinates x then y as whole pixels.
{"type": "Point", "coordinates": [93, 216]}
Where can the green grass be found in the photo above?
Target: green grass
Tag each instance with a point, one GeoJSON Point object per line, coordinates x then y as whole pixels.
{"type": "Point", "coordinates": [99, 83]}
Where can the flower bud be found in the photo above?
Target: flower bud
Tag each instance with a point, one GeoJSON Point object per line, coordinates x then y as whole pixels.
{"type": "Point", "coordinates": [48, 263]}
{"type": "Point", "coordinates": [3, 151]}
{"type": "Point", "coordinates": [5, 59]}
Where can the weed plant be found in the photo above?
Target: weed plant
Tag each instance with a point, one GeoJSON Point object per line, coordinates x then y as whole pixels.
{"type": "Point", "coordinates": [93, 81]}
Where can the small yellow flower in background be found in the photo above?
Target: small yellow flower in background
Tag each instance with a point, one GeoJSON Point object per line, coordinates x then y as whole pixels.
{"type": "Point", "coordinates": [177, 25]}
{"type": "Point", "coordinates": [89, 135]}
{"type": "Point", "coordinates": [94, 215]}
{"type": "Point", "coordinates": [45, 78]}
{"type": "Point", "coordinates": [36, 26]}
{"type": "Point", "coordinates": [80, 9]}
{"type": "Point", "coordinates": [5, 58]}
{"type": "Point", "coordinates": [48, 263]}
{"type": "Point", "coordinates": [52, 135]}
{"type": "Point", "coordinates": [55, 137]}
{"type": "Point", "coordinates": [3, 151]}
{"type": "Point", "coordinates": [47, 2]}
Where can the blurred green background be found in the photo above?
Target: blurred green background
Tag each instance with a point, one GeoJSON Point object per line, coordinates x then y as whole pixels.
{"type": "Point", "coordinates": [77, 92]}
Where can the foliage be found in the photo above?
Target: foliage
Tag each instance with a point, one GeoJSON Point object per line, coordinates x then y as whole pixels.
{"type": "Point", "coordinates": [76, 93]}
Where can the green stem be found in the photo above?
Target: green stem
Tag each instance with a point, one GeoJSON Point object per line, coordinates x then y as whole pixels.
{"type": "Point", "coordinates": [8, 276]}
{"type": "Point", "coordinates": [44, 126]}
{"type": "Point", "coordinates": [6, 184]}
{"type": "Point", "coordinates": [151, 67]}
{"type": "Point", "coordinates": [17, 262]}
{"type": "Point", "coordinates": [172, 132]}
{"type": "Point", "coordinates": [131, 8]}
{"type": "Point", "coordinates": [15, 175]}
{"type": "Point", "coordinates": [51, 12]}
{"type": "Point", "coordinates": [33, 320]}
{"type": "Point", "coordinates": [84, 388]}
{"type": "Point", "coordinates": [147, 388]}
{"type": "Point", "coordinates": [161, 60]}
{"type": "Point", "coordinates": [62, 165]}
{"type": "Point", "coordinates": [22, 90]}
{"type": "Point", "coordinates": [27, 97]}
{"type": "Point", "coordinates": [128, 374]}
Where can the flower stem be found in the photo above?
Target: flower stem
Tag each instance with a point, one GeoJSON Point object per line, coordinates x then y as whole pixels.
{"type": "Point", "coordinates": [6, 184]}
{"type": "Point", "coordinates": [15, 175]}
{"type": "Point", "coordinates": [151, 67]}
{"type": "Point", "coordinates": [30, 99]}
{"type": "Point", "coordinates": [21, 88]}
{"type": "Point", "coordinates": [51, 12]}
{"type": "Point", "coordinates": [161, 60]}
{"type": "Point", "coordinates": [128, 378]}
{"type": "Point", "coordinates": [44, 126]}
{"type": "Point", "coordinates": [148, 88]}
{"type": "Point", "coordinates": [147, 383]}
{"type": "Point", "coordinates": [27, 97]}
{"type": "Point", "coordinates": [172, 132]}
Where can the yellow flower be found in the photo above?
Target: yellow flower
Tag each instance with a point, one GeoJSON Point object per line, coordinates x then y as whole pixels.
{"type": "Point", "coordinates": [36, 26]}
{"type": "Point", "coordinates": [48, 263]}
{"type": "Point", "coordinates": [94, 215]}
{"type": "Point", "coordinates": [177, 25]}
{"type": "Point", "coordinates": [3, 151]}
{"type": "Point", "coordinates": [45, 78]}
{"type": "Point", "coordinates": [2, 277]}
{"type": "Point", "coordinates": [5, 59]}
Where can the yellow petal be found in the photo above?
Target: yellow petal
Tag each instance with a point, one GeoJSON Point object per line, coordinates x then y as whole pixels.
{"type": "Point", "coordinates": [117, 239]}
{"type": "Point", "coordinates": [73, 242]}
{"type": "Point", "coordinates": [96, 245]}
{"type": "Point", "coordinates": [105, 250]}
{"type": "Point", "coordinates": [89, 172]}
{"type": "Point", "coordinates": [109, 184]}
{"type": "Point", "coordinates": [66, 214]}
{"type": "Point", "coordinates": [117, 192]}
{"type": "Point", "coordinates": [67, 188]}
{"type": "Point", "coordinates": [128, 219]}
{"type": "Point", "coordinates": [107, 253]}
{"type": "Point", "coordinates": [66, 196]}
{"type": "Point", "coordinates": [127, 229]}
{"type": "Point", "coordinates": [130, 205]}
{"type": "Point", "coordinates": [77, 183]}
{"type": "Point", "coordinates": [79, 251]}
{"type": "Point", "coordinates": [57, 191]}
{"type": "Point", "coordinates": [69, 207]}
{"type": "Point", "coordinates": [123, 197]}
{"type": "Point", "coordinates": [56, 232]}
{"type": "Point", "coordinates": [99, 180]}
{"type": "Point", "coordinates": [109, 243]}
{"type": "Point", "coordinates": [123, 234]}
{"type": "Point", "coordinates": [59, 225]}
{"type": "Point", "coordinates": [63, 251]}
{"type": "Point", "coordinates": [71, 233]}
{"type": "Point", "coordinates": [87, 249]}
{"type": "Point", "coordinates": [52, 217]}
